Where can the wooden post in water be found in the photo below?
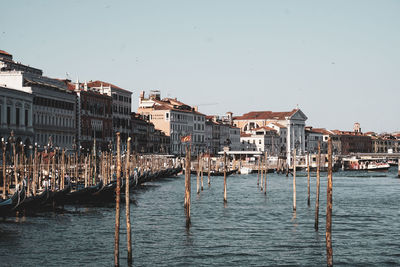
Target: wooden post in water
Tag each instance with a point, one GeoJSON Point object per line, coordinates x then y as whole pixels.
{"type": "Point", "coordinates": [198, 173]}
{"type": "Point", "coordinates": [201, 170]}
{"type": "Point", "coordinates": [258, 171]}
{"type": "Point", "coordinates": [4, 168]}
{"type": "Point", "coordinates": [209, 167]}
{"type": "Point", "coordinates": [188, 186]}
{"type": "Point", "coordinates": [317, 193]}
{"type": "Point", "coordinates": [62, 169]}
{"type": "Point", "coordinates": [328, 234]}
{"type": "Point", "coordinates": [262, 175]}
{"type": "Point", "coordinates": [34, 166]}
{"type": "Point", "coordinates": [225, 200]}
{"type": "Point", "coordinates": [398, 172]}
{"type": "Point", "coordinates": [294, 179]}
{"type": "Point", "coordinates": [266, 171]}
{"type": "Point", "coordinates": [308, 179]}
{"type": "Point", "coordinates": [117, 202]}
{"type": "Point", "coordinates": [127, 201]}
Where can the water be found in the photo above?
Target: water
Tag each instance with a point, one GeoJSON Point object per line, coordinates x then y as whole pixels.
{"type": "Point", "coordinates": [251, 230]}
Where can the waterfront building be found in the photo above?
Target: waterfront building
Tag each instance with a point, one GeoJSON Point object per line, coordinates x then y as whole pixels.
{"type": "Point", "coordinates": [94, 117]}
{"type": "Point", "coordinates": [263, 139]}
{"type": "Point", "coordinates": [212, 135]}
{"type": "Point", "coordinates": [313, 135]}
{"type": "Point", "coordinates": [16, 115]}
{"type": "Point", "coordinates": [384, 143]}
{"type": "Point", "coordinates": [53, 111]}
{"type": "Point", "coordinates": [121, 108]}
{"type": "Point", "coordinates": [221, 134]}
{"type": "Point", "coordinates": [174, 119]}
{"type": "Point", "coordinates": [346, 142]}
{"type": "Point", "coordinates": [293, 120]}
{"type": "Point", "coordinates": [147, 139]}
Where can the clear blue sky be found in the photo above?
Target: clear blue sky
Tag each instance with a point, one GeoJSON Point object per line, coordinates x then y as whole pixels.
{"type": "Point", "coordinates": [338, 60]}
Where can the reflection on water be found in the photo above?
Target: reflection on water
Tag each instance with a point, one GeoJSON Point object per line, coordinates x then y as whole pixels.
{"type": "Point", "coordinates": [250, 229]}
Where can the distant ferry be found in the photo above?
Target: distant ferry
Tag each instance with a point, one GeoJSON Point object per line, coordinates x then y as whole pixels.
{"type": "Point", "coordinates": [355, 164]}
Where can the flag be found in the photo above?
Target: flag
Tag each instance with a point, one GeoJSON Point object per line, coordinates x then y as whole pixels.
{"type": "Point", "coordinates": [187, 138]}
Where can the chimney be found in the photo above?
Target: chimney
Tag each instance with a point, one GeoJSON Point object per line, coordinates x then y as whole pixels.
{"type": "Point", "coordinates": [196, 108]}
{"type": "Point", "coordinates": [141, 95]}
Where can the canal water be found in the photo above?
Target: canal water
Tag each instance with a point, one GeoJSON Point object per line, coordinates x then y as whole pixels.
{"type": "Point", "coordinates": [250, 230]}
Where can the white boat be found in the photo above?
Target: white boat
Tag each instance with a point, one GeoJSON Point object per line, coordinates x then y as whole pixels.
{"type": "Point", "coordinates": [378, 166]}
{"type": "Point", "coordinates": [245, 170]}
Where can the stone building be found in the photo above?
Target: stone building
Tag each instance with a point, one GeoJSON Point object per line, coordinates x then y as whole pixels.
{"type": "Point", "coordinates": [94, 117]}
{"type": "Point", "coordinates": [175, 119]}
{"type": "Point", "coordinates": [145, 138]}
{"type": "Point", "coordinates": [293, 120]}
{"type": "Point", "coordinates": [121, 107]}
{"type": "Point", "coordinates": [16, 115]}
{"type": "Point", "coordinates": [54, 107]}
{"type": "Point", "coordinates": [264, 139]}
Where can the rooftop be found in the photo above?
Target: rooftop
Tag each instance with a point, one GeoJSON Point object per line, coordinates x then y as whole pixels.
{"type": "Point", "coordinates": [266, 115]}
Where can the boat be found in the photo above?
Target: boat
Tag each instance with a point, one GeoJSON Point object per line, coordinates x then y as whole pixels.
{"type": "Point", "coordinates": [366, 164]}
{"type": "Point", "coordinates": [378, 166]}
{"type": "Point", "coordinates": [60, 196]}
{"type": "Point", "coordinates": [246, 170]}
{"type": "Point", "coordinates": [216, 173]}
{"type": "Point", "coordinates": [34, 202]}
{"type": "Point", "coordinates": [83, 195]}
{"type": "Point", "coordinates": [10, 205]}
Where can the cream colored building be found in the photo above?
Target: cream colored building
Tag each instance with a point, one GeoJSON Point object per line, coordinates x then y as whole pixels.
{"type": "Point", "coordinates": [294, 121]}
{"type": "Point", "coordinates": [175, 119]}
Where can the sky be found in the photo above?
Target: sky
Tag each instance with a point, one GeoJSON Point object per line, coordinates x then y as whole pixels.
{"type": "Point", "coordinates": [338, 61]}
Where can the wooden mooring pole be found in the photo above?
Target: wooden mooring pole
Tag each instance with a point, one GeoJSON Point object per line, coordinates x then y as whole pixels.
{"type": "Point", "coordinates": [209, 167]}
{"type": "Point", "coordinates": [225, 200]}
{"type": "Point", "coordinates": [201, 170]}
{"type": "Point", "coordinates": [127, 201]}
{"type": "Point", "coordinates": [398, 172]}
{"type": "Point", "coordinates": [317, 193]}
{"type": "Point", "coordinates": [4, 167]}
{"type": "Point", "coordinates": [117, 202]}
{"type": "Point", "coordinates": [294, 179]}
{"type": "Point", "coordinates": [266, 171]}
{"type": "Point", "coordinates": [329, 253]}
{"type": "Point", "coordinates": [198, 173]}
{"type": "Point", "coordinates": [308, 179]}
{"type": "Point", "coordinates": [258, 171]}
{"type": "Point", "coordinates": [188, 186]}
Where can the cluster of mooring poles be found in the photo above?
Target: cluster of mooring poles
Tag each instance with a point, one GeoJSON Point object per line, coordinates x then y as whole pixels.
{"type": "Point", "coordinates": [328, 233]}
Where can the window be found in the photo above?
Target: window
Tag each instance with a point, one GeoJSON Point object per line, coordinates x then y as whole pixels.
{"type": "Point", "coordinates": [17, 116]}
{"type": "Point", "coordinates": [26, 117]}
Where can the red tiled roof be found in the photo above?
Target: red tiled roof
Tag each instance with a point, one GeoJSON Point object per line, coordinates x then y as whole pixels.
{"type": "Point", "coordinates": [245, 135]}
{"type": "Point", "coordinates": [105, 84]}
{"type": "Point", "coordinates": [5, 53]}
{"type": "Point", "coordinates": [337, 132]}
{"type": "Point", "coordinates": [321, 131]}
{"type": "Point", "coordinates": [265, 115]}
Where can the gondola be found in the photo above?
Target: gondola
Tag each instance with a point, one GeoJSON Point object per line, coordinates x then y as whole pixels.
{"type": "Point", "coordinates": [105, 194]}
{"type": "Point", "coordinates": [82, 196]}
{"type": "Point", "coordinates": [9, 206]}
{"type": "Point", "coordinates": [216, 173]}
{"type": "Point", "coordinates": [60, 196]}
{"type": "Point", "coordinates": [33, 203]}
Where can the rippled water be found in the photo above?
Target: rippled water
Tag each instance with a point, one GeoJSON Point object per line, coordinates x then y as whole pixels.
{"type": "Point", "coordinates": [251, 230]}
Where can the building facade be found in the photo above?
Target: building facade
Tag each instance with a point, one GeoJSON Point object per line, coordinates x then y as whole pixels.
{"type": "Point", "coordinates": [175, 119]}
{"type": "Point", "coordinates": [121, 108]}
{"type": "Point", "coordinates": [16, 108]}
{"type": "Point", "coordinates": [293, 120]}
